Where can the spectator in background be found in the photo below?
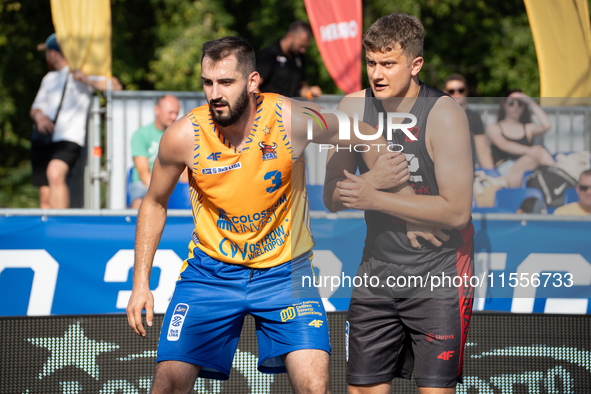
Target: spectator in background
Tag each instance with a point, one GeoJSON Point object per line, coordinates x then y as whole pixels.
{"type": "Point", "coordinates": [282, 65]}
{"type": "Point", "coordinates": [583, 206]}
{"type": "Point", "coordinates": [512, 137]}
{"type": "Point", "coordinates": [456, 87]}
{"type": "Point", "coordinates": [144, 147]}
{"type": "Point", "coordinates": [60, 109]}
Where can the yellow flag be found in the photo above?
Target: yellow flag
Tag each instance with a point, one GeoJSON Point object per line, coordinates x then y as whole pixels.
{"type": "Point", "coordinates": [562, 36]}
{"type": "Point", "coordinates": [83, 30]}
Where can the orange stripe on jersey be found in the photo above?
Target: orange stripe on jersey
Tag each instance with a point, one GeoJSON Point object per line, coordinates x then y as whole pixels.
{"type": "Point", "coordinates": [249, 206]}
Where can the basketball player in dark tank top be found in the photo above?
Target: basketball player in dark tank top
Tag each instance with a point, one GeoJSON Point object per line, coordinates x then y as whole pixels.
{"type": "Point", "coordinates": [390, 328]}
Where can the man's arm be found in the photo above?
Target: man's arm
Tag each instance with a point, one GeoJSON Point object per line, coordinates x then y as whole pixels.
{"type": "Point", "coordinates": [142, 165]}
{"type": "Point", "coordinates": [100, 83]}
{"type": "Point", "coordinates": [174, 155]}
{"type": "Point", "coordinates": [44, 124]}
{"type": "Point", "coordinates": [309, 91]}
{"type": "Point", "coordinates": [296, 115]}
{"type": "Point", "coordinates": [448, 142]}
{"type": "Point", "coordinates": [389, 171]}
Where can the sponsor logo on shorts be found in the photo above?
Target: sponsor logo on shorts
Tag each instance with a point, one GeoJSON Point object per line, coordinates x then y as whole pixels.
{"type": "Point", "coordinates": [288, 314]}
{"type": "Point", "coordinates": [316, 323]}
{"type": "Point", "coordinates": [347, 341]}
{"type": "Point", "coordinates": [444, 337]}
{"type": "Point", "coordinates": [431, 337]}
{"type": "Point", "coordinates": [446, 355]}
{"type": "Point", "coordinates": [219, 170]}
{"type": "Point", "coordinates": [176, 322]}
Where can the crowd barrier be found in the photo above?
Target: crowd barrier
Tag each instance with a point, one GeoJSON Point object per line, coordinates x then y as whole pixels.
{"type": "Point", "coordinates": [131, 110]}
{"type": "Point", "coordinates": [79, 262]}
{"type": "Point", "coordinates": [505, 353]}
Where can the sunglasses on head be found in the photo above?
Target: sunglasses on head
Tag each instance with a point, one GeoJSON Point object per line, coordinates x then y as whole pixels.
{"type": "Point", "coordinates": [511, 103]}
{"type": "Point", "coordinates": [453, 91]}
{"type": "Point", "coordinates": [583, 188]}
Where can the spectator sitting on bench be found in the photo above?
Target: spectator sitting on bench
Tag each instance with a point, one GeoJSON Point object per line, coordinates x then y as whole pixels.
{"type": "Point", "coordinates": [144, 147]}
{"type": "Point", "coordinates": [512, 137]}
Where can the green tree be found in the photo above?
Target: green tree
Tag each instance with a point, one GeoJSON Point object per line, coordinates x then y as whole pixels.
{"type": "Point", "coordinates": [489, 42]}
{"type": "Point", "coordinates": [182, 27]}
{"type": "Point", "coordinates": [21, 69]}
{"type": "Point", "coordinates": [133, 42]}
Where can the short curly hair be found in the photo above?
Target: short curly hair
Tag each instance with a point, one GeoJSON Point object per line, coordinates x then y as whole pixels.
{"type": "Point", "coordinates": [403, 29]}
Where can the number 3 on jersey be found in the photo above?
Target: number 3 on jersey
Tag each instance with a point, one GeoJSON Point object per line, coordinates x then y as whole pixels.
{"type": "Point", "coordinates": [275, 177]}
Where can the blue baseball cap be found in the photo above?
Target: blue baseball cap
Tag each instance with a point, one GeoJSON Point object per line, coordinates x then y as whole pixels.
{"type": "Point", "coordinates": [50, 43]}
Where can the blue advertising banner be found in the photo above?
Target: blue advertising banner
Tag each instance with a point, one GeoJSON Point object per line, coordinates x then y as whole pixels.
{"type": "Point", "coordinates": [68, 265]}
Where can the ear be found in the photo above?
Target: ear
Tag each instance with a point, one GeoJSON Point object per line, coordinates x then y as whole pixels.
{"type": "Point", "coordinates": [416, 66]}
{"type": "Point", "coordinates": [253, 81]}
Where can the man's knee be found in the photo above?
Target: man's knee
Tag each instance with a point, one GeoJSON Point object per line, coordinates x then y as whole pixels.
{"type": "Point", "coordinates": [56, 172]}
{"type": "Point", "coordinates": [174, 377]}
{"type": "Point", "coordinates": [315, 385]}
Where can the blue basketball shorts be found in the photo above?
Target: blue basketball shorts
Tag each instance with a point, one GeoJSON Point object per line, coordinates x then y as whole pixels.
{"type": "Point", "coordinates": [204, 319]}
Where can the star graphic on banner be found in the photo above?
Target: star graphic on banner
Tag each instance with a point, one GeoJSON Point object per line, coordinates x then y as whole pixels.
{"type": "Point", "coordinates": [74, 348]}
{"type": "Point", "coordinates": [267, 130]}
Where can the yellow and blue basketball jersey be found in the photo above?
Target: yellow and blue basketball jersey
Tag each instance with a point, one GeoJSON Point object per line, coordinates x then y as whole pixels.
{"type": "Point", "coordinates": [250, 205]}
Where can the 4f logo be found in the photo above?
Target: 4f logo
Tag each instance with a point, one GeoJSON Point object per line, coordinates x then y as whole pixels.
{"type": "Point", "coordinates": [315, 323]}
{"type": "Point", "coordinates": [214, 156]}
{"type": "Point", "coordinates": [446, 355]}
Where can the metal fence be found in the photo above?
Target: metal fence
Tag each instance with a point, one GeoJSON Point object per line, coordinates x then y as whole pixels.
{"type": "Point", "coordinates": [130, 110]}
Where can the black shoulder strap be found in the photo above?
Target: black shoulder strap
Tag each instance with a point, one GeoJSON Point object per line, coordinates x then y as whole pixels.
{"type": "Point", "coordinates": [62, 100]}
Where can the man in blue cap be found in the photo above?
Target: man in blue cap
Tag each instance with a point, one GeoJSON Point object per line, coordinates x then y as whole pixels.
{"type": "Point", "coordinates": [60, 109]}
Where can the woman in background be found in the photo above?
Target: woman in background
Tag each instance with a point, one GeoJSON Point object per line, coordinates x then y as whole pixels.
{"type": "Point", "coordinates": [512, 137]}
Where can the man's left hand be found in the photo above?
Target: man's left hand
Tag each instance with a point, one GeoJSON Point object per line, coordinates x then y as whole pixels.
{"type": "Point", "coordinates": [356, 193]}
{"type": "Point", "coordinates": [430, 234]}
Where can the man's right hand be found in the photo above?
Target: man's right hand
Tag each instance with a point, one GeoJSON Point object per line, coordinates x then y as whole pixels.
{"type": "Point", "coordinates": [430, 234]}
{"type": "Point", "coordinates": [44, 124]}
{"type": "Point", "coordinates": [140, 299]}
{"type": "Point", "coordinates": [389, 171]}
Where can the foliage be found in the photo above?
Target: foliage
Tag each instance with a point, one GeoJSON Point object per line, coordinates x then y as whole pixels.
{"type": "Point", "coordinates": [21, 71]}
{"type": "Point", "coordinates": [157, 45]}
{"type": "Point", "coordinates": [182, 27]}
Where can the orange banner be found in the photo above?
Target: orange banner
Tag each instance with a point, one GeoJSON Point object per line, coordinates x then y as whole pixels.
{"type": "Point", "coordinates": [337, 29]}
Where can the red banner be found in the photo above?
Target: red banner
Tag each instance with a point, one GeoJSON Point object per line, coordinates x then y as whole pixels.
{"type": "Point", "coordinates": [337, 29]}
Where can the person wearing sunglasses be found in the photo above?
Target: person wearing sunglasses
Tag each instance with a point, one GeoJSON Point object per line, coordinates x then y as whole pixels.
{"type": "Point", "coordinates": [512, 137]}
{"type": "Point", "coordinates": [456, 87]}
{"type": "Point", "coordinates": [583, 206]}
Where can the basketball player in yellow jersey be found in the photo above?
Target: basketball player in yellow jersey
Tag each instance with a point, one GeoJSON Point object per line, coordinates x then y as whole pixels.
{"type": "Point", "coordinates": [245, 156]}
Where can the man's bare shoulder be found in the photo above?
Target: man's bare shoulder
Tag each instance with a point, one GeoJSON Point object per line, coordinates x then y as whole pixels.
{"type": "Point", "coordinates": [447, 112]}
{"type": "Point", "coordinates": [360, 93]}
{"type": "Point", "coordinates": [177, 143]}
{"type": "Point", "coordinates": [353, 103]}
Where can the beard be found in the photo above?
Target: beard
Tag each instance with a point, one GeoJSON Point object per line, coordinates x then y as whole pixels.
{"type": "Point", "coordinates": [235, 111]}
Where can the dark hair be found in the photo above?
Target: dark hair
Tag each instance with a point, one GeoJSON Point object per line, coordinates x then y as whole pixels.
{"type": "Point", "coordinates": [300, 27]}
{"type": "Point", "coordinates": [525, 115]}
{"type": "Point", "coordinates": [221, 48]}
{"type": "Point", "coordinates": [456, 77]}
{"type": "Point", "coordinates": [403, 29]}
